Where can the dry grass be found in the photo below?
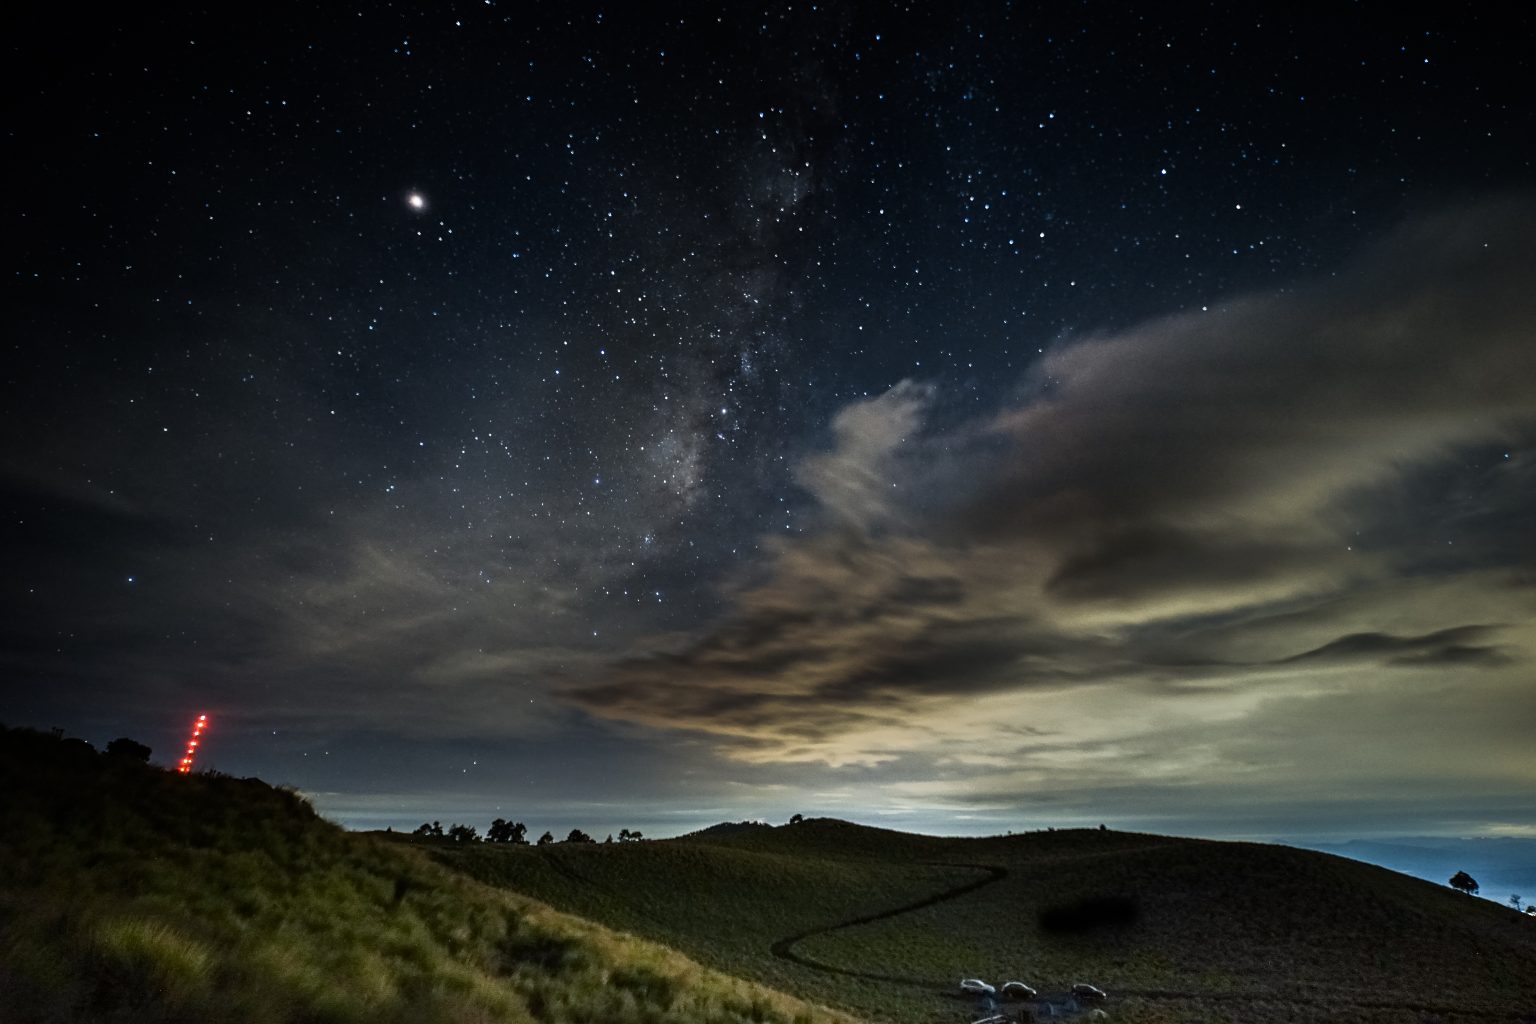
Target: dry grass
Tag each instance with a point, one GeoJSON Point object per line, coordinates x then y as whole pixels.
{"type": "Point", "coordinates": [133, 895]}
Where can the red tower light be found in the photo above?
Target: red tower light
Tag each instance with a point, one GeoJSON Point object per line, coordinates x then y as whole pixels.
{"type": "Point", "coordinates": [185, 764]}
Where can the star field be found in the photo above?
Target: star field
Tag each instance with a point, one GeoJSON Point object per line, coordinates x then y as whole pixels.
{"type": "Point", "coordinates": [727, 410]}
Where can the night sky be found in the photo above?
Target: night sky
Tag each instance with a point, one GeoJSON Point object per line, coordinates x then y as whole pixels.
{"type": "Point", "coordinates": [957, 417]}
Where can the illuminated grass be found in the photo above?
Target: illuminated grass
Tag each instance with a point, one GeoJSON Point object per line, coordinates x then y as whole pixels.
{"type": "Point", "coordinates": [133, 895]}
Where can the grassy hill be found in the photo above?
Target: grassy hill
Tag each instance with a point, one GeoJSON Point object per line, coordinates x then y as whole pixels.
{"type": "Point", "coordinates": [130, 894]}
{"type": "Point", "coordinates": [726, 905]}
{"type": "Point", "coordinates": [885, 923]}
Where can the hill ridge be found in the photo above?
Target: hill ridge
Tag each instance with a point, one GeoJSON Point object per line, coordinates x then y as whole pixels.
{"type": "Point", "coordinates": [884, 923]}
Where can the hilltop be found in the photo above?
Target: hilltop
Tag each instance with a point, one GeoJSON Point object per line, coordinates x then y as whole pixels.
{"type": "Point", "coordinates": [885, 923]}
{"type": "Point", "coordinates": [131, 894]}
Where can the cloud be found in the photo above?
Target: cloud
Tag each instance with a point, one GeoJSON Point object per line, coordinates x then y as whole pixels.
{"type": "Point", "coordinates": [339, 624]}
{"type": "Point", "coordinates": [856, 481]}
{"type": "Point", "coordinates": [1267, 504]}
{"type": "Point", "coordinates": [1442, 647]}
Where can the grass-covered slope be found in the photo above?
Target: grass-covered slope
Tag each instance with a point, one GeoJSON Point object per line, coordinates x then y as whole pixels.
{"type": "Point", "coordinates": [1175, 929]}
{"type": "Point", "coordinates": [726, 906]}
{"type": "Point", "coordinates": [130, 894]}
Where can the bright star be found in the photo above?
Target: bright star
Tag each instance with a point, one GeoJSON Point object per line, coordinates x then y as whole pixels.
{"type": "Point", "coordinates": [417, 201]}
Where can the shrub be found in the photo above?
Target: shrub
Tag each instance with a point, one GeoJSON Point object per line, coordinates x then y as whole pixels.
{"type": "Point", "coordinates": [157, 957]}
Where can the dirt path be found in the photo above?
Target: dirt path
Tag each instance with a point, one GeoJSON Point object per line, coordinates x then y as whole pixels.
{"type": "Point", "coordinates": [784, 948]}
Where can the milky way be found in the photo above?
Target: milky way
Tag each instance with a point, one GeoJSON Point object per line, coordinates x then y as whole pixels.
{"type": "Point", "coordinates": [982, 419]}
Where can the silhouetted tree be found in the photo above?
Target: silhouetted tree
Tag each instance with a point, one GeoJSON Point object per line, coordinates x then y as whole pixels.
{"type": "Point", "coordinates": [630, 835]}
{"type": "Point", "coordinates": [504, 831]}
{"type": "Point", "coordinates": [609, 839]}
{"type": "Point", "coordinates": [1465, 882]}
{"type": "Point", "coordinates": [424, 830]}
{"type": "Point", "coordinates": [131, 750]}
{"type": "Point", "coordinates": [578, 836]}
{"type": "Point", "coordinates": [1514, 900]}
{"type": "Point", "coordinates": [546, 839]}
{"type": "Point", "coordinates": [463, 834]}
{"type": "Point", "coordinates": [795, 819]}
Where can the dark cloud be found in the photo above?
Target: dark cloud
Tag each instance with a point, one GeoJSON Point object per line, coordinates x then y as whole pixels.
{"type": "Point", "coordinates": [1270, 408]}
{"type": "Point", "coordinates": [1133, 563]}
{"type": "Point", "coordinates": [1443, 647]}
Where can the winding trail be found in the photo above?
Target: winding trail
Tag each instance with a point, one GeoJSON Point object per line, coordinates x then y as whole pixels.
{"type": "Point", "coordinates": [784, 948]}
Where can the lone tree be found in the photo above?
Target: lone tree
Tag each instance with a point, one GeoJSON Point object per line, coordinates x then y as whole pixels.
{"type": "Point", "coordinates": [463, 834]}
{"type": "Point", "coordinates": [1514, 901]}
{"type": "Point", "coordinates": [546, 839]}
{"type": "Point", "coordinates": [796, 819]}
{"type": "Point", "coordinates": [578, 836]}
{"type": "Point", "coordinates": [1465, 882]}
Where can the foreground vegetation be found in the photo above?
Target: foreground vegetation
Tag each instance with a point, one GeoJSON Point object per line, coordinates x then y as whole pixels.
{"type": "Point", "coordinates": [130, 894]}
{"type": "Point", "coordinates": [1175, 929]}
